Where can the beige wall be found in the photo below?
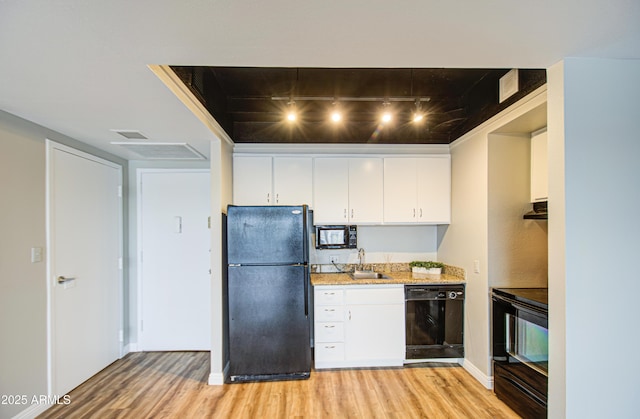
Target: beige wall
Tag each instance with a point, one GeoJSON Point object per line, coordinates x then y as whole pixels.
{"type": "Point", "coordinates": [221, 196]}
{"type": "Point", "coordinates": [465, 241]}
{"type": "Point", "coordinates": [23, 299]}
{"type": "Point", "coordinates": [481, 216]}
{"type": "Point", "coordinates": [23, 296]}
{"type": "Point", "coordinates": [517, 247]}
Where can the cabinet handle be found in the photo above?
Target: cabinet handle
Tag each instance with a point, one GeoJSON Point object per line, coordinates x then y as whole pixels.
{"type": "Point", "coordinates": [349, 314]}
{"type": "Point", "coordinates": [420, 212]}
{"type": "Point", "coordinates": [329, 326]}
{"type": "Point", "coordinates": [268, 197]}
{"type": "Point", "coordinates": [414, 213]}
{"type": "Point", "coordinates": [330, 347]}
{"type": "Point", "coordinates": [351, 212]}
{"type": "Point", "coordinates": [329, 309]}
{"type": "Point", "coordinates": [345, 213]}
{"type": "Point", "coordinates": [277, 198]}
{"type": "Point", "coordinates": [329, 293]}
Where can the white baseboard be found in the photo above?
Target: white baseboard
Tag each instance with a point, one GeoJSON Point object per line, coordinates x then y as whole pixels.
{"type": "Point", "coordinates": [440, 360]}
{"type": "Point", "coordinates": [216, 379]}
{"type": "Point", "coordinates": [485, 380]}
{"type": "Point", "coordinates": [33, 411]}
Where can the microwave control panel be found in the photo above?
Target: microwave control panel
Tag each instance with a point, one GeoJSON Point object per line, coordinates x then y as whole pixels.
{"type": "Point", "coordinates": [353, 237]}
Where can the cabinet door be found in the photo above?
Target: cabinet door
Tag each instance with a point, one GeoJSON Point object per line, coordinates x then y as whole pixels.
{"type": "Point", "coordinates": [252, 179]}
{"type": "Point", "coordinates": [331, 190]}
{"type": "Point", "coordinates": [365, 190]}
{"type": "Point", "coordinates": [434, 189]}
{"type": "Point", "coordinates": [293, 180]}
{"type": "Point", "coordinates": [400, 189]}
{"type": "Point", "coordinates": [539, 168]}
{"type": "Point", "coordinates": [374, 332]}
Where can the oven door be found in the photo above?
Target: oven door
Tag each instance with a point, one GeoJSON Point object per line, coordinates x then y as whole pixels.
{"type": "Point", "coordinates": [520, 334]}
{"type": "Point", "coordinates": [520, 354]}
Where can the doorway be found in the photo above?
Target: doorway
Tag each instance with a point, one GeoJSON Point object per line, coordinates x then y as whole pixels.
{"type": "Point", "coordinates": [84, 281]}
{"type": "Point", "coordinates": [174, 244]}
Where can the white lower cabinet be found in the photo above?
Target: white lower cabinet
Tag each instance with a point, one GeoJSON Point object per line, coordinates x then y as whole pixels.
{"type": "Point", "coordinates": [359, 326]}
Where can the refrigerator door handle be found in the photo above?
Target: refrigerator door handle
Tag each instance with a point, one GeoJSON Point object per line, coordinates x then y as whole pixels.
{"type": "Point", "coordinates": [306, 291]}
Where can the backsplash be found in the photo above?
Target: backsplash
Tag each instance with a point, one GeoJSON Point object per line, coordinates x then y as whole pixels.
{"type": "Point", "coordinates": [382, 267]}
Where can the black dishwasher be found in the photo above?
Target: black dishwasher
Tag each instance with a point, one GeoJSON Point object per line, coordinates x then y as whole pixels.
{"type": "Point", "coordinates": [434, 321]}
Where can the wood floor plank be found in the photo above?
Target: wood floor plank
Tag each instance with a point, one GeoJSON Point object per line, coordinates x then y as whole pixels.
{"type": "Point", "coordinates": [174, 385]}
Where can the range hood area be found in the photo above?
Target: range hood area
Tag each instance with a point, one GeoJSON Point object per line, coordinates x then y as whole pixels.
{"type": "Point", "coordinates": [539, 211]}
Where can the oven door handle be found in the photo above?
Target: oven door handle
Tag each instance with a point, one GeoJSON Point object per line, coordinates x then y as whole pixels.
{"type": "Point", "coordinates": [518, 304]}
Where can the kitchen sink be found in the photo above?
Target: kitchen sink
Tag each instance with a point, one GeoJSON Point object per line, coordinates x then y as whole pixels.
{"type": "Point", "coordinates": [368, 275]}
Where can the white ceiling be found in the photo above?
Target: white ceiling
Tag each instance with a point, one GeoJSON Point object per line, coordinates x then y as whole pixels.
{"type": "Point", "coordinates": [80, 67]}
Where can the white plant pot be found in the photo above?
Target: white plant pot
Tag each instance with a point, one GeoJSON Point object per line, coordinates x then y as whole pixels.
{"type": "Point", "coordinates": [435, 271]}
{"type": "Point", "coordinates": [417, 270]}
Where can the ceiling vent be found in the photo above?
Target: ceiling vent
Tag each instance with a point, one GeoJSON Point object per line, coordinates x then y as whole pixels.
{"type": "Point", "coordinates": [130, 134]}
{"type": "Point", "coordinates": [162, 151]}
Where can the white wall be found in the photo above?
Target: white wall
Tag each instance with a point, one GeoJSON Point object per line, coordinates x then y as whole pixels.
{"type": "Point", "coordinates": [599, 99]}
{"type": "Point", "coordinates": [385, 244]}
{"type": "Point", "coordinates": [131, 296]}
{"type": "Point", "coordinates": [23, 297]}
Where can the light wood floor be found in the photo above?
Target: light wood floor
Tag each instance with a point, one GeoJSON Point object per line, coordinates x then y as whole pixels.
{"type": "Point", "coordinates": [174, 385]}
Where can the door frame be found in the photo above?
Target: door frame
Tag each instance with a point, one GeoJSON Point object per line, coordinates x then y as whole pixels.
{"type": "Point", "coordinates": [139, 290]}
{"type": "Point", "coordinates": [51, 146]}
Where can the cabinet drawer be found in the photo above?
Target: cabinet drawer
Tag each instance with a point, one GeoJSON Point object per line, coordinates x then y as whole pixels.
{"type": "Point", "coordinates": [375, 296]}
{"type": "Point", "coordinates": [330, 296]}
{"type": "Point", "coordinates": [330, 351]}
{"type": "Point", "coordinates": [329, 332]}
{"type": "Point", "coordinates": [329, 313]}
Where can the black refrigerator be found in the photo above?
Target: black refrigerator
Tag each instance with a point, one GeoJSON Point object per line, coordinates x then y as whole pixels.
{"type": "Point", "coordinates": [268, 288]}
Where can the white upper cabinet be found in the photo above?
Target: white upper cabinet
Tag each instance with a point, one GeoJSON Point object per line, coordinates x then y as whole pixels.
{"type": "Point", "coordinates": [331, 191]}
{"type": "Point", "coordinates": [417, 190]}
{"type": "Point", "coordinates": [348, 190]}
{"type": "Point", "coordinates": [539, 167]}
{"type": "Point", "coordinates": [365, 190]}
{"type": "Point", "coordinates": [259, 180]}
{"type": "Point", "coordinates": [293, 180]}
{"type": "Point", "coordinates": [252, 180]}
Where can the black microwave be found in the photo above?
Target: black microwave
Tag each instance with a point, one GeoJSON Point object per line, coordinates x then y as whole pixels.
{"type": "Point", "coordinates": [336, 237]}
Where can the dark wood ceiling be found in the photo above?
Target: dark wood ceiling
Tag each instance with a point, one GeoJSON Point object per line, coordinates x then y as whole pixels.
{"type": "Point", "coordinates": [249, 102]}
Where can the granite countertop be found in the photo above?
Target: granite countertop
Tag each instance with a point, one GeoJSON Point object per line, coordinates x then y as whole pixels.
{"type": "Point", "coordinates": [394, 278]}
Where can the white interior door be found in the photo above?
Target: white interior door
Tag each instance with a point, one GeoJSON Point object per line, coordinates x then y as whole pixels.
{"type": "Point", "coordinates": [175, 260]}
{"type": "Point", "coordinates": [85, 273]}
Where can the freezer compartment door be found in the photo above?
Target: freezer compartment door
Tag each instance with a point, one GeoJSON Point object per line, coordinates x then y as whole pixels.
{"type": "Point", "coordinates": [267, 235]}
{"type": "Point", "coordinates": [268, 327]}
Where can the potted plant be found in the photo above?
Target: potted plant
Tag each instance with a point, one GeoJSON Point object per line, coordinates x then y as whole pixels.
{"type": "Point", "coordinates": [426, 267]}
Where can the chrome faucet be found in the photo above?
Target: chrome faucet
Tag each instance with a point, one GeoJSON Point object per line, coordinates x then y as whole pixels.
{"type": "Point", "coordinates": [360, 257]}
